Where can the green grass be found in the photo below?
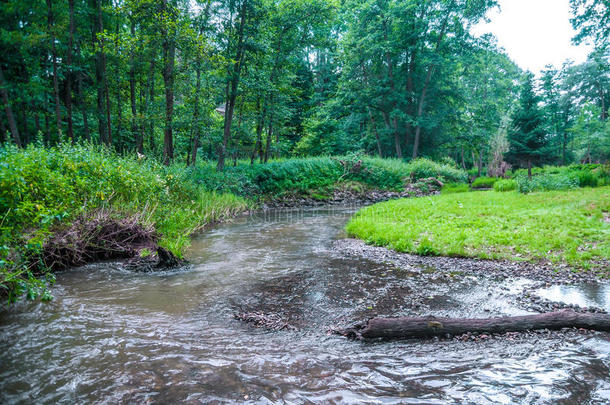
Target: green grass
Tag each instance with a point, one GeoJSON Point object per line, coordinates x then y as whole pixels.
{"type": "Point", "coordinates": [503, 185]}
{"type": "Point", "coordinates": [483, 182]}
{"type": "Point", "coordinates": [452, 188]}
{"type": "Point", "coordinates": [568, 226]}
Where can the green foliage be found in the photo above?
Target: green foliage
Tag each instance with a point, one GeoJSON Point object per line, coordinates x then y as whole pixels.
{"type": "Point", "coordinates": [494, 225]}
{"type": "Point", "coordinates": [484, 182]}
{"type": "Point", "coordinates": [527, 138]}
{"type": "Point", "coordinates": [452, 188]}
{"type": "Point", "coordinates": [423, 168]}
{"type": "Point", "coordinates": [45, 188]}
{"type": "Point", "coordinates": [580, 175]}
{"type": "Point", "coordinates": [303, 174]}
{"type": "Point", "coordinates": [547, 182]}
{"type": "Point", "coordinates": [505, 185]}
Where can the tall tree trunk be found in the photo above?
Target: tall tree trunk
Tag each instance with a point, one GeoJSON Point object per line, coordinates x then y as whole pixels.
{"type": "Point", "coordinates": [396, 138]}
{"type": "Point", "coordinates": [51, 28]}
{"type": "Point", "coordinates": [374, 125]}
{"type": "Point", "coordinates": [146, 109]}
{"type": "Point", "coordinates": [529, 168]}
{"type": "Point", "coordinates": [231, 89]}
{"type": "Point", "coordinates": [3, 130]}
{"type": "Point", "coordinates": [151, 100]}
{"type": "Point", "coordinates": [422, 98]}
{"type": "Point", "coordinates": [563, 147]}
{"type": "Point", "coordinates": [119, 119]}
{"type": "Point", "coordinates": [259, 130]}
{"type": "Point", "coordinates": [24, 119]}
{"type": "Point", "coordinates": [462, 155]}
{"type": "Point", "coordinates": [169, 56]}
{"type": "Point", "coordinates": [420, 113]}
{"type": "Point", "coordinates": [70, 75]}
{"type": "Point", "coordinates": [100, 72]}
{"type": "Point", "coordinates": [119, 100]}
{"type": "Point", "coordinates": [37, 123]}
{"type": "Point", "coordinates": [390, 73]}
{"type": "Point", "coordinates": [259, 133]}
{"type": "Point", "coordinates": [269, 132]}
{"type": "Point", "coordinates": [83, 108]}
{"type": "Point", "coordinates": [169, 53]}
{"type": "Point", "coordinates": [47, 131]}
{"type": "Point", "coordinates": [602, 102]}
{"type": "Point", "coordinates": [197, 112]}
{"type": "Point", "coordinates": [132, 95]}
{"type": "Point", "coordinates": [196, 115]}
{"type": "Point", "coordinates": [12, 124]}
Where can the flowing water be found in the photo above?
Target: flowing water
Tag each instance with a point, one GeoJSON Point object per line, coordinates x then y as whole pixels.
{"type": "Point", "coordinates": [112, 336]}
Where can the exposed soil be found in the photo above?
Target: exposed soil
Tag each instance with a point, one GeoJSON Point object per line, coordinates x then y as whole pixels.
{"type": "Point", "coordinates": [106, 236]}
{"type": "Point", "coordinates": [497, 271]}
{"type": "Point", "coordinates": [346, 196]}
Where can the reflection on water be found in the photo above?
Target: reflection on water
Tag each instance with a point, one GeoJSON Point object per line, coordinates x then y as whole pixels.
{"type": "Point", "coordinates": [585, 295]}
{"type": "Point", "coordinates": [113, 336]}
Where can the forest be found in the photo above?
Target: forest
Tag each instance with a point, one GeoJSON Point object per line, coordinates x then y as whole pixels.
{"type": "Point", "coordinates": [182, 80]}
{"type": "Point", "coordinates": [304, 201]}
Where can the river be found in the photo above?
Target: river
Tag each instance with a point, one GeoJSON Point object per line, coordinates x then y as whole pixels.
{"type": "Point", "coordinates": [113, 336]}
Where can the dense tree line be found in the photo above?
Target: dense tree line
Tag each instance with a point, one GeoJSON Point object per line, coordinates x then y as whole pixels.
{"type": "Point", "coordinates": [258, 79]}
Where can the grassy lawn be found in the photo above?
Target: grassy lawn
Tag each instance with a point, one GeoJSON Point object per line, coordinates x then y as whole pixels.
{"type": "Point", "coordinates": [562, 226]}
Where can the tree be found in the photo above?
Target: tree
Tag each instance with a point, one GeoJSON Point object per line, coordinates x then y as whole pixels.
{"type": "Point", "coordinates": [591, 20]}
{"type": "Point", "coordinates": [527, 137]}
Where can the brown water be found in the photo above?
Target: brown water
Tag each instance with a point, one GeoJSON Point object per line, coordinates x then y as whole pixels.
{"type": "Point", "coordinates": [111, 336]}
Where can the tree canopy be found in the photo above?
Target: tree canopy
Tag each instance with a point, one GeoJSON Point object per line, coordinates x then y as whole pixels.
{"type": "Point", "coordinates": [262, 79]}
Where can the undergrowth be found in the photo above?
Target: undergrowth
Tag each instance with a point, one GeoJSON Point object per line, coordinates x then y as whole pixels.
{"type": "Point", "coordinates": [45, 189]}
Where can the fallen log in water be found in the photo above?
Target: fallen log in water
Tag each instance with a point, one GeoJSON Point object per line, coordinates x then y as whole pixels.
{"type": "Point", "coordinates": [424, 327]}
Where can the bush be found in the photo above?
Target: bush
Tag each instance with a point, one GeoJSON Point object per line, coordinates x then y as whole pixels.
{"type": "Point", "coordinates": [484, 182]}
{"type": "Point", "coordinates": [588, 175]}
{"type": "Point", "coordinates": [303, 174]}
{"type": "Point", "coordinates": [547, 182]}
{"type": "Point", "coordinates": [505, 185]}
{"type": "Point", "coordinates": [422, 168]}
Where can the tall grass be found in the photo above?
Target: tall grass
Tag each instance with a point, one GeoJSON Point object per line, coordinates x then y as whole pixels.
{"type": "Point", "coordinates": [310, 173]}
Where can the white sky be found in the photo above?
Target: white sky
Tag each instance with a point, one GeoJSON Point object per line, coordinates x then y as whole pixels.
{"type": "Point", "coordinates": [534, 33]}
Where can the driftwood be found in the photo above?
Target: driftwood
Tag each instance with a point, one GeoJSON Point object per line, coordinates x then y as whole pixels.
{"type": "Point", "coordinates": [261, 320]}
{"type": "Point", "coordinates": [425, 327]}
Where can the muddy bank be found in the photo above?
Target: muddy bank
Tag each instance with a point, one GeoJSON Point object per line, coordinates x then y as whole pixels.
{"type": "Point", "coordinates": [343, 196]}
{"type": "Point", "coordinates": [546, 272]}
{"type": "Point", "coordinates": [520, 283]}
{"type": "Point", "coordinates": [103, 236]}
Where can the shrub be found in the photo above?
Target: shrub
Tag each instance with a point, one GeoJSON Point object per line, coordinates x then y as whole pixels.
{"type": "Point", "coordinates": [505, 185]}
{"type": "Point", "coordinates": [484, 182]}
{"type": "Point", "coordinates": [588, 175]}
{"type": "Point", "coordinates": [422, 168]}
{"type": "Point", "coordinates": [547, 182]}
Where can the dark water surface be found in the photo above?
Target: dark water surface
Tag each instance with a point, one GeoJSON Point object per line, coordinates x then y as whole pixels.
{"type": "Point", "coordinates": [111, 336]}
